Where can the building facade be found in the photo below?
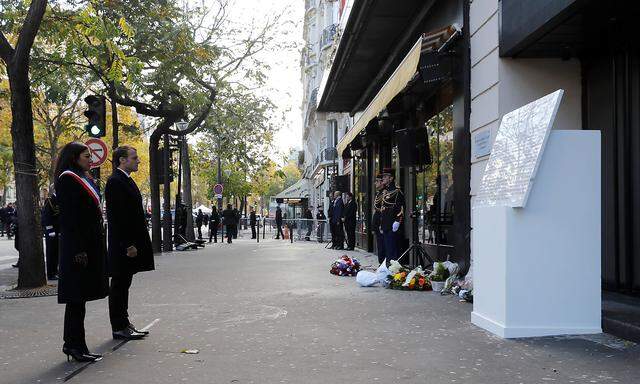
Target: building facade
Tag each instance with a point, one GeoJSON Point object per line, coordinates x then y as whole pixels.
{"type": "Point", "coordinates": [425, 85]}
{"type": "Point", "coordinates": [320, 129]}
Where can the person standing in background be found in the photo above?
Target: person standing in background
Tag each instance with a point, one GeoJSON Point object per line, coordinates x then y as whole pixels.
{"type": "Point", "coordinates": [214, 222]}
{"type": "Point", "coordinates": [50, 215]}
{"type": "Point", "coordinates": [336, 219]}
{"type": "Point", "coordinates": [199, 222]}
{"type": "Point", "coordinates": [252, 222]}
{"type": "Point", "coordinates": [279, 223]}
{"type": "Point", "coordinates": [349, 220]}
{"type": "Point", "coordinates": [375, 218]}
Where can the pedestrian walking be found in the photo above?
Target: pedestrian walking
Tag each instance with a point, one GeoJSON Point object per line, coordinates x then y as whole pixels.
{"type": "Point", "coordinates": [375, 218]}
{"type": "Point", "coordinates": [214, 222]}
{"type": "Point", "coordinates": [349, 220]}
{"type": "Point", "coordinates": [229, 217]}
{"type": "Point", "coordinates": [252, 222]}
{"type": "Point", "coordinates": [391, 214]}
{"type": "Point", "coordinates": [336, 219]}
{"type": "Point", "coordinates": [279, 223]}
{"type": "Point", "coordinates": [83, 275]}
{"type": "Point", "coordinates": [199, 222]}
{"type": "Point", "coordinates": [321, 218]}
{"type": "Point", "coordinates": [130, 248]}
{"type": "Point", "coordinates": [50, 226]}
{"type": "Point", "coordinates": [308, 221]}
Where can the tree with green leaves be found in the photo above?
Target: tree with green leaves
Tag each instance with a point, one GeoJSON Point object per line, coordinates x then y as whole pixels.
{"type": "Point", "coordinates": [21, 24]}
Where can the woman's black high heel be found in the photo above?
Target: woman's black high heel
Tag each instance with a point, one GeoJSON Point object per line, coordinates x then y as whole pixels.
{"type": "Point", "coordinates": [80, 356]}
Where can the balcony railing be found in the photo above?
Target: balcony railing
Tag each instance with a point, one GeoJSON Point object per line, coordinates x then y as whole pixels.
{"type": "Point", "coordinates": [327, 154]}
{"type": "Point", "coordinates": [310, 4]}
{"type": "Point", "coordinates": [328, 35]}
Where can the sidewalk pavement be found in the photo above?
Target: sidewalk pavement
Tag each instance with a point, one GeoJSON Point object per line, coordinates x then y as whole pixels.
{"type": "Point", "coordinates": [272, 313]}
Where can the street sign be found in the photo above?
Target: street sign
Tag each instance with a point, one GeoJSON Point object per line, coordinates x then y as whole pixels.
{"type": "Point", "coordinates": [99, 151]}
{"type": "Point", "coordinates": [218, 189]}
{"type": "Point", "coordinates": [219, 196]}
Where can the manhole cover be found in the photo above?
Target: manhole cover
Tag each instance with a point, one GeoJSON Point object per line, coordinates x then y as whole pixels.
{"type": "Point", "coordinates": [47, 290]}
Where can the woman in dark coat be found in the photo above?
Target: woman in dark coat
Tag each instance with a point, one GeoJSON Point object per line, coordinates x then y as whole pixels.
{"type": "Point", "coordinates": [83, 275]}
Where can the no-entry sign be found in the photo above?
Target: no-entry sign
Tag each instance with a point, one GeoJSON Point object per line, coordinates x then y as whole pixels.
{"type": "Point", "coordinates": [99, 152]}
{"type": "Point", "coordinates": [217, 190]}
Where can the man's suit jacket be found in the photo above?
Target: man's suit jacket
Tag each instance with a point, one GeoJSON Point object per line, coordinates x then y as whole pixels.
{"type": "Point", "coordinates": [127, 226]}
{"type": "Point", "coordinates": [338, 207]}
{"type": "Point", "coordinates": [349, 214]}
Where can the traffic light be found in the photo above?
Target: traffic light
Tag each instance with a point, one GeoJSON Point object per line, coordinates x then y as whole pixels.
{"type": "Point", "coordinates": [96, 113]}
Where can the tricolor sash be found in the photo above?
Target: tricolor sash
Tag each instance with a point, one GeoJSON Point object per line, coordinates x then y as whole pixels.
{"type": "Point", "coordinates": [86, 185]}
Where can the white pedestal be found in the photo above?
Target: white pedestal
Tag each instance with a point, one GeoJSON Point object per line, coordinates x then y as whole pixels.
{"type": "Point", "coordinates": [537, 269]}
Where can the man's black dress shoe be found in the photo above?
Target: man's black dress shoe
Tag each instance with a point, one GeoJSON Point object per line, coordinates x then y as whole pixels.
{"type": "Point", "coordinates": [131, 327]}
{"type": "Point", "coordinates": [349, 249]}
{"type": "Point", "coordinates": [127, 334]}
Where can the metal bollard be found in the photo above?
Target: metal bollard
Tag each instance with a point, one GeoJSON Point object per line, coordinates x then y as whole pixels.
{"type": "Point", "coordinates": [258, 234]}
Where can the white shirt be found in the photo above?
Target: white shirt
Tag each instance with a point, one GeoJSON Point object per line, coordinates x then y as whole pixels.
{"type": "Point", "coordinates": [125, 172]}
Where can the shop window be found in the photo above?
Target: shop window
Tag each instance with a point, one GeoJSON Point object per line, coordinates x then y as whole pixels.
{"type": "Point", "coordinates": [434, 184]}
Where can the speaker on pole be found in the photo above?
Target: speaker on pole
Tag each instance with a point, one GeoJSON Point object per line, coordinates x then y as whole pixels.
{"type": "Point", "coordinates": [413, 147]}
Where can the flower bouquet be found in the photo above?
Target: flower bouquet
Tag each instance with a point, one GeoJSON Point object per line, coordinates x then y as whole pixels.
{"type": "Point", "coordinates": [345, 266]}
{"type": "Point", "coordinates": [403, 278]}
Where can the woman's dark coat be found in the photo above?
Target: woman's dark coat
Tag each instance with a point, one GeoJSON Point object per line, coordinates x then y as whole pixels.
{"type": "Point", "coordinates": [81, 230]}
{"type": "Point", "coordinates": [127, 227]}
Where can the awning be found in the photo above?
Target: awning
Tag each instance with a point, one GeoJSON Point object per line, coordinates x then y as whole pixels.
{"type": "Point", "coordinates": [299, 190]}
{"type": "Point", "coordinates": [394, 85]}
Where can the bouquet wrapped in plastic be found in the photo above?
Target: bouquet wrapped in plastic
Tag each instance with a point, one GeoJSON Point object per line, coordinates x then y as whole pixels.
{"type": "Point", "coordinates": [345, 266]}
{"type": "Point", "coordinates": [403, 278]}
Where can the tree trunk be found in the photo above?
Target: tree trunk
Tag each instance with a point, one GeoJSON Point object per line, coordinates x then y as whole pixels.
{"type": "Point", "coordinates": [32, 271]}
{"type": "Point", "coordinates": [186, 187]}
{"type": "Point", "coordinates": [167, 222]}
{"type": "Point", "coordinates": [114, 120]}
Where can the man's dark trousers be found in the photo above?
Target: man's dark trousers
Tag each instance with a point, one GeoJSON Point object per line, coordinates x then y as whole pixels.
{"type": "Point", "coordinates": [51, 245]}
{"type": "Point", "coordinates": [339, 235]}
{"type": "Point", "coordinates": [119, 301]}
{"type": "Point", "coordinates": [253, 231]}
{"type": "Point", "coordinates": [213, 232]}
{"type": "Point", "coordinates": [351, 234]}
{"type": "Point", "coordinates": [390, 239]}
{"type": "Point", "coordinates": [380, 246]}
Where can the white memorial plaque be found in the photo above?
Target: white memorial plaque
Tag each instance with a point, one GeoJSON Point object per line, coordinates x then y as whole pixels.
{"type": "Point", "coordinates": [516, 153]}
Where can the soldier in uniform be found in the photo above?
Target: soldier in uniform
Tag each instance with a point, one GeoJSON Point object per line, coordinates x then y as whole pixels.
{"type": "Point", "coordinates": [375, 219]}
{"type": "Point", "coordinates": [50, 214]}
{"type": "Point", "coordinates": [391, 214]}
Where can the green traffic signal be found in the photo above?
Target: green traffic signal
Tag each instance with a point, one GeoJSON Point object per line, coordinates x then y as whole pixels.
{"type": "Point", "coordinates": [96, 114]}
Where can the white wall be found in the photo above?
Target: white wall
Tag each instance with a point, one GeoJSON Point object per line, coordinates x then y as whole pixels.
{"type": "Point", "coordinates": [500, 85]}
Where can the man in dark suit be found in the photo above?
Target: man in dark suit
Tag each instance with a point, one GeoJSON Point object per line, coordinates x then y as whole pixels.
{"type": "Point", "coordinates": [199, 222]}
{"type": "Point", "coordinates": [349, 220]}
{"type": "Point", "coordinates": [279, 223]}
{"type": "Point", "coordinates": [252, 222]}
{"type": "Point", "coordinates": [50, 215]}
{"type": "Point", "coordinates": [214, 222]}
{"type": "Point", "coordinates": [229, 218]}
{"type": "Point", "coordinates": [336, 220]}
{"type": "Point", "coordinates": [130, 249]}
{"type": "Point", "coordinates": [332, 227]}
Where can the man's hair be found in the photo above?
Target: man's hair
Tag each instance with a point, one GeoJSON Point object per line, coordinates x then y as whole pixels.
{"type": "Point", "coordinates": [349, 194]}
{"type": "Point", "coordinates": [122, 151]}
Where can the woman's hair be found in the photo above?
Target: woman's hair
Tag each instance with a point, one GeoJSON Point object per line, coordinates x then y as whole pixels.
{"type": "Point", "coordinates": [68, 158]}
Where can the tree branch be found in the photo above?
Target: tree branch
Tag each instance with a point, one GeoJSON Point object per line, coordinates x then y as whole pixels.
{"type": "Point", "coordinates": [6, 50]}
{"type": "Point", "coordinates": [29, 31]}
